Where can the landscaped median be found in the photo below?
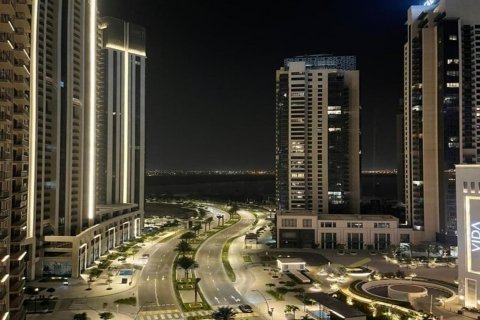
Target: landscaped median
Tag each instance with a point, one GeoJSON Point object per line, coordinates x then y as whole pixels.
{"type": "Point", "coordinates": [185, 285]}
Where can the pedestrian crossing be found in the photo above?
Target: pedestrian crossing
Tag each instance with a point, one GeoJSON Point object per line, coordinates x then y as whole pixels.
{"type": "Point", "coordinates": [78, 304]}
{"type": "Point", "coordinates": [175, 314]}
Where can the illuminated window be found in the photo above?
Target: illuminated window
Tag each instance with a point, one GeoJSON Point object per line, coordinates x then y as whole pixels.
{"type": "Point", "coordinates": [289, 223]}
{"type": "Point", "coordinates": [452, 61]}
{"type": "Point", "coordinates": [356, 225]}
{"type": "Point", "coordinates": [453, 37]}
{"type": "Point", "coordinates": [452, 73]}
{"type": "Point", "coordinates": [381, 225]}
{"type": "Point", "coordinates": [307, 223]}
{"type": "Point", "coordinates": [453, 84]}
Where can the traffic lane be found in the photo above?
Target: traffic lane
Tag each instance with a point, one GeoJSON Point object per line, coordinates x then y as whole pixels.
{"type": "Point", "coordinates": [155, 285]}
{"type": "Point", "coordinates": [217, 287]}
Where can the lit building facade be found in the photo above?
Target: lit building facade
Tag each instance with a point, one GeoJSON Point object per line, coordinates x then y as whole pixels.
{"type": "Point", "coordinates": [15, 88]}
{"type": "Point", "coordinates": [74, 220]}
{"type": "Point", "coordinates": [468, 220]}
{"type": "Point", "coordinates": [299, 229]}
{"type": "Point", "coordinates": [318, 135]}
{"type": "Point", "coordinates": [441, 109]}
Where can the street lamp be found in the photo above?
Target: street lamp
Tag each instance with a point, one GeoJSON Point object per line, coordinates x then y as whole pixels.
{"type": "Point", "coordinates": [36, 296]}
{"type": "Point", "coordinates": [269, 311]}
{"type": "Point", "coordinates": [141, 307]}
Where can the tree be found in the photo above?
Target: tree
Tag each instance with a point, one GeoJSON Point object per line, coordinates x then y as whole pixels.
{"type": "Point", "coordinates": [290, 308]}
{"type": "Point", "coordinates": [209, 221]}
{"type": "Point", "coordinates": [233, 210]}
{"type": "Point", "coordinates": [183, 247]}
{"type": "Point", "coordinates": [80, 316]}
{"type": "Point", "coordinates": [188, 236]}
{"type": "Point", "coordinates": [106, 315]}
{"type": "Point", "coordinates": [197, 228]}
{"type": "Point", "coordinates": [186, 263]}
{"type": "Point", "coordinates": [224, 313]}
{"type": "Point", "coordinates": [282, 291]}
{"type": "Point", "coordinates": [270, 285]}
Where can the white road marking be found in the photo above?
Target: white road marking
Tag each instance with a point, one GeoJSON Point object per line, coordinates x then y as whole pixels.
{"type": "Point", "coordinates": [156, 295]}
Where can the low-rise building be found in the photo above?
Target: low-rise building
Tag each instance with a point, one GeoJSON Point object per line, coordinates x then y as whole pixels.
{"type": "Point", "coordinates": [468, 223]}
{"type": "Point", "coordinates": [326, 231]}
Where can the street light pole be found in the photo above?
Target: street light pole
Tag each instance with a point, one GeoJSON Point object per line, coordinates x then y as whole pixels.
{"type": "Point", "coordinates": [269, 311]}
{"type": "Point", "coordinates": [140, 309]}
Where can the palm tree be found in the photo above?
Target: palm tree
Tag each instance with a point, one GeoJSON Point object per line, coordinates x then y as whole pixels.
{"type": "Point", "coordinates": [197, 228]}
{"type": "Point", "coordinates": [290, 308]}
{"type": "Point", "coordinates": [186, 263]}
{"type": "Point", "coordinates": [183, 247]}
{"type": "Point", "coordinates": [187, 236]}
{"type": "Point", "coordinates": [224, 313]}
{"type": "Point", "coordinates": [233, 210]}
{"type": "Point", "coordinates": [209, 221]}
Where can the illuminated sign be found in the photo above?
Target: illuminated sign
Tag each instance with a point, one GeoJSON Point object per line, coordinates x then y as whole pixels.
{"type": "Point", "coordinates": [475, 236]}
{"type": "Point", "coordinates": [472, 233]}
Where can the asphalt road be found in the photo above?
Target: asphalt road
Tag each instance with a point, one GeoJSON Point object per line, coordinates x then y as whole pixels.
{"type": "Point", "coordinates": [215, 285]}
{"type": "Point", "coordinates": [155, 287]}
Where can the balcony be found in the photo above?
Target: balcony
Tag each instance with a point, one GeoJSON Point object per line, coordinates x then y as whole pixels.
{"type": "Point", "coordinates": [19, 222]}
{"type": "Point", "coordinates": [21, 52]}
{"type": "Point", "coordinates": [19, 189]}
{"type": "Point", "coordinates": [20, 96]}
{"type": "Point", "coordinates": [21, 109]}
{"type": "Point", "coordinates": [5, 80]}
{"type": "Point", "coordinates": [20, 127]}
{"type": "Point", "coordinates": [5, 156]}
{"type": "Point", "coordinates": [17, 303]}
{"type": "Point", "coordinates": [6, 60]}
{"type": "Point", "coordinates": [20, 173]}
{"type": "Point", "coordinates": [6, 6]}
{"type": "Point", "coordinates": [21, 83]}
{"type": "Point", "coordinates": [4, 194]}
{"type": "Point", "coordinates": [21, 21]}
{"type": "Point", "coordinates": [22, 6]}
{"type": "Point", "coordinates": [20, 157]}
{"type": "Point", "coordinates": [6, 40]}
{"type": "Point", "coordinates": [21, 36]}
{"type": "Point", "coordinates": [20, 142]}
{"type": "Point", "coordinates": [6, 23]}
{"type": "Point", "coordinates": [17, 286]}
{"type": "Point", "coordinates": [5, 97]}
{"type": "Point", "coordinates": [5, 116]}
{"type": "Point", "coordinates": [17, 239]}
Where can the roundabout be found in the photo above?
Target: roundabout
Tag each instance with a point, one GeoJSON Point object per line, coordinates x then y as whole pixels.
{"type": "Point", "coordinates": [401, 291]}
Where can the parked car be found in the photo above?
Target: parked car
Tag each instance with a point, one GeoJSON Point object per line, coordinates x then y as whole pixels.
{"type": "Point", "coordinates": [245, 308]}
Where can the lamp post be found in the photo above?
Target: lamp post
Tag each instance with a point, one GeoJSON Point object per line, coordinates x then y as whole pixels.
{"type": "Point", "coordinates": [36, 297]}
{"type": "Point", "coordinates": [141, 307]}
{"type": "Point", "coordinates": [269, 311]}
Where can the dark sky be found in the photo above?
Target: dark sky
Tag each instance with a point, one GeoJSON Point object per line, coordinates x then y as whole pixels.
{"type": "Point", "coordinates": [211, 73]}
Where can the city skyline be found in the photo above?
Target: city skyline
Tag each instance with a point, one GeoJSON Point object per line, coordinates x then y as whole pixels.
{"type": "Point", "coordinates": [211, 76]}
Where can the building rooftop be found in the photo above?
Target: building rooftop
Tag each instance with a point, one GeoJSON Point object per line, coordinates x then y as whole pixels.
{"type": "Point", "coordinates": [358, 217]}
{"type": "Point", "coordinates": [290, 260]}
{"type": "Point", "coordinates": [336, 306]}
{"type": "Point", "coordinates": [296, 213]}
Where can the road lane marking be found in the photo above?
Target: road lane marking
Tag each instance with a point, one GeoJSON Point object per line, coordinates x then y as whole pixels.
{"type": "Point", "coordinates": [156, 295]}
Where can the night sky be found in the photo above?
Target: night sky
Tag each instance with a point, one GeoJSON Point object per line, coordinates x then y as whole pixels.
{"type": "Point", "coordinates": [211, 73]}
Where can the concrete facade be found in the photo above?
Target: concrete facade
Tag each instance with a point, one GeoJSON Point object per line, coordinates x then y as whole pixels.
{"type": "Point", "coordinates": [468, 219]}
{"type": "Point", "coordinates": [355, 232]}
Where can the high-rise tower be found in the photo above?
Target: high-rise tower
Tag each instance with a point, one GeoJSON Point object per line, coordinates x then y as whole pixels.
{"type": "Point", "coordinates": [318, 135]}
{"type": "Point", "coordinates": [441, 110]}
{"type": "Point", "coordinates": [89, 135]}
{"type": "Point", "coordinates": [15, 88]}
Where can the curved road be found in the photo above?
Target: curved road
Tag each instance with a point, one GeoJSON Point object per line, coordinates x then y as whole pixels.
{"type": "Point", "coordinates": [155, 287]}
{"type": "Point", "coordinates": [215, 285]}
